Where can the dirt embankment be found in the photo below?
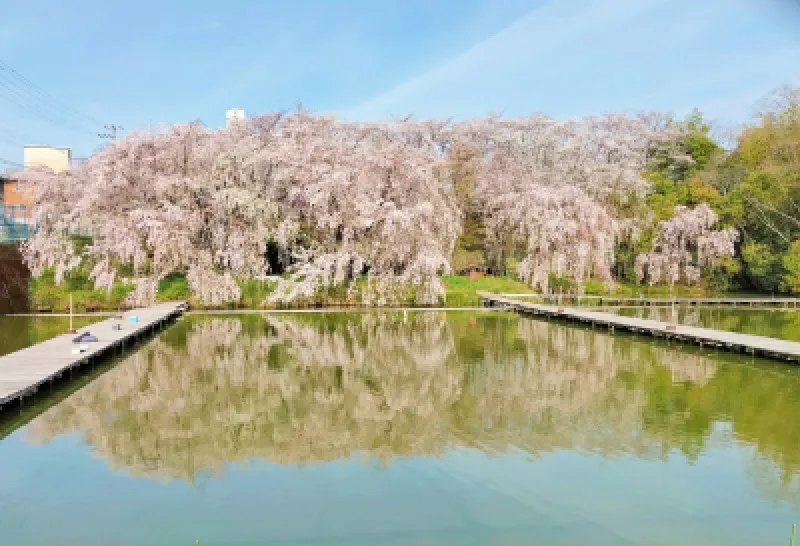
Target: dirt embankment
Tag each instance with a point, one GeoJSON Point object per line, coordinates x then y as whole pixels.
{"type": "Point", "coordinates": [14, 277]}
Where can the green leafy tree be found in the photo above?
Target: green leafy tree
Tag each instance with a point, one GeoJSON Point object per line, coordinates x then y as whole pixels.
{"type": "Point", "coordinates": [791, 265]}
{"type": "Point", "coordinates": [679, 159]}
{"type": "Point", "coordinates": [761, 265]}
{"type": "Point", "coordinates": [759, 188]}
{"type": "Point", "coordinates": [722, 276]}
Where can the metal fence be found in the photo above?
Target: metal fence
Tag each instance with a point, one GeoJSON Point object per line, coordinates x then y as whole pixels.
{"type": "Point", "coordinates": [15, 225]}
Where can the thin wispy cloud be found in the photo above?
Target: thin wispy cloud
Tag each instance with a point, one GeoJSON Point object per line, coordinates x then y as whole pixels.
{"type": "Point", "coordinates": [591, 56]}
{"type": "Point", "coordinates": [366, 60]}
{"type": "Point", "coordinates": [538, 33]}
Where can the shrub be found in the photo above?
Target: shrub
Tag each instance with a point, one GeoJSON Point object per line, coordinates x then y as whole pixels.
{"type": "Point", "coordinates": [594, 287]}
{"type": "Point", "coordinates": [173, 287]}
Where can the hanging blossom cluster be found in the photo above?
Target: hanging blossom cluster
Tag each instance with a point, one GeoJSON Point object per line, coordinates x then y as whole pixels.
{"type": "Point", "coordinates": [685, 244]}
{"type": "Point", "coordinates": [327, 202]}
{"type": "Point", "coordinates": [543, 188]}
{"type": "Point", "coordinates": [561, 229]}
{"type": "Point", "coordinates": [337, 200]}
{"type": "Point", "coordinates": [599, 155]}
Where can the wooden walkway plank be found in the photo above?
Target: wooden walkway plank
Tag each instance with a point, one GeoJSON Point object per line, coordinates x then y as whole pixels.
{"type": "Point", "coordinates": [24, 371]}
{"type": "Point", "coordinates": [631, 300]}
{"type": "Point", "coordinates": [732, 341]}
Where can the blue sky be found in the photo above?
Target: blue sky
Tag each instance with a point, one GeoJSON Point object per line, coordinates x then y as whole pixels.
{"type": "Point", "coordinates": [136, 63]}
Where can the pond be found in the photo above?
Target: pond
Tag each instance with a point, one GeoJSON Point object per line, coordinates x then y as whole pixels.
{"type": "Point", "coordinates": [18, 332]}
{"type": "Point", "coordinates": [445, 428]}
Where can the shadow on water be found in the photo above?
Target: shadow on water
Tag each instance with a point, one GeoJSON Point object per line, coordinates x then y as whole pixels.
{"type": "Point", "coordinates": [20, 412]}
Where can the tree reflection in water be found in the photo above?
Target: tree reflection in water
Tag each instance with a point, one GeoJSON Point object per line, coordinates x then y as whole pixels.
{"type": "Point", "coordinates": [307, 388]}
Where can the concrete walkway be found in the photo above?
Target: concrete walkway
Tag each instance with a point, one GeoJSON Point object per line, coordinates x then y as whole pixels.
{"type": "Point", "coordinates": [24, 371]}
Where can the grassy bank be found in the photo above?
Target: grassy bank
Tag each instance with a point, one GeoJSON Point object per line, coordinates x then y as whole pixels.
{"type": "Point", "coordinates": [657, 291]}
{"type": "Point", "coordinates": [459, 292]}
{"type": "Point", "coordinates": [46, 295]}
{"type": "Point", "coordinates": [462, 292]}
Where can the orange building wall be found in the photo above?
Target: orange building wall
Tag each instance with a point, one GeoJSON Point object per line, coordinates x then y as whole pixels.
{"type": "Point", "coordinates": [12, 196]}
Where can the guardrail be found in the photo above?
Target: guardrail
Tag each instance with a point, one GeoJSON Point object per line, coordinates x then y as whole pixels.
{"type": "Point", "coordinates": [15, 224]}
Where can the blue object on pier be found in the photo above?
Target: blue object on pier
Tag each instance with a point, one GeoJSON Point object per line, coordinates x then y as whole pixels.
{"type": "Point", "coordinates": [84, 337]}
{"type": "Point", "coordinates": [134, 319]}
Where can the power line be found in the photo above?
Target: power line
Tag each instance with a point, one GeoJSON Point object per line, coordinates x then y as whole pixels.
{"type": "Point", "coordinates": [11, 163]}
{"type": "Point", "coordinates": [24, 82]}
{"type": "Point", "coordinates": [29, 105]}
{"type": "Point", "coordinates": [29, 84]}
{"type": "Point", "coordinates": [25, 103]}
{"type": "Point", "coordinates": [28, 96]}
{"type": "Point", "coordinates": [16, 135]}
{"type": "Point", "coordinates": [112, 131]}
{"type": "Point", "coordinates": [11, 141]}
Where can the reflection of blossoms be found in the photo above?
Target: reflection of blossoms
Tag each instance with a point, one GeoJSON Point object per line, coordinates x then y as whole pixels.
{"type": "Point", "coordinates": [316, 387]}
{"type": "Point", "coordinates": [290, 392]}
{"type": "Point", "coordinates": [555, 388]}
{"type": "Point", "coordinates": [560, 388]}
{"type": "Point", "coordinates": [690, 368]}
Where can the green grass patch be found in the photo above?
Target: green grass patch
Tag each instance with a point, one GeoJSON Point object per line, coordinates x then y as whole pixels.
{"type": "Point", "coordinates": [173, 287]}
{"type": "Point", "coordinates": [255, 292]}
{"type": "Point", "coordinates": [462, 292]}
{"type": "Point", "coordinates": [45, 294]}
{"type": "Point", "coordinates": [658, 291]}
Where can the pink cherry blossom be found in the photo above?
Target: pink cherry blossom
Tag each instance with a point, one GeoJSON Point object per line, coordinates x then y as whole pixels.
{"type": "Point", "coordinates": [342, 201]}
{"type": "Point", "coordinates": [685, 243]}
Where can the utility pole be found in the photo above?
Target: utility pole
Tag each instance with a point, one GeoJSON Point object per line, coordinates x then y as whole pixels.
{"type": "Point", "coordinates": [112, 131]}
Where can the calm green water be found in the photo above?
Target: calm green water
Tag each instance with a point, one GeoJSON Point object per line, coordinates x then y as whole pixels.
{"type": "Point", "coordinates": [19, 332]}
{"type": "Point", "coordinates": [783, 324]}
{"type": "Point", "coordinates": [434, 428]}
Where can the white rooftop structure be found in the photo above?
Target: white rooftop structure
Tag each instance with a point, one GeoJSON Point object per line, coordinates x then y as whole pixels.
{"type": "Point", "coordinates": [233, 115]}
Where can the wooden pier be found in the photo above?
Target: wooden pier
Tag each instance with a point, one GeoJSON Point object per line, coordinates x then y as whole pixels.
{"type": "Point", "coordinates": [730, 341]}
{"type": "Point", "coordinates": [24, 371]}
{"type": "Point", "coordinates": [630, 301]}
